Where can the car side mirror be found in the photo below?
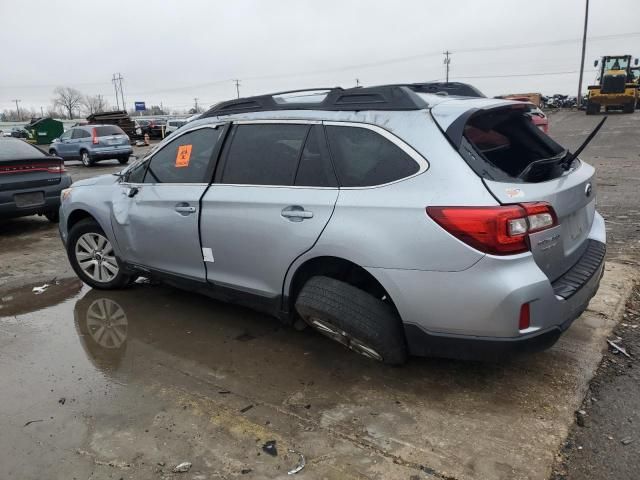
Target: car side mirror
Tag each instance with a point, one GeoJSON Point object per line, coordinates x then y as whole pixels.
{"type": "Point", "coordinates": [55, 140]}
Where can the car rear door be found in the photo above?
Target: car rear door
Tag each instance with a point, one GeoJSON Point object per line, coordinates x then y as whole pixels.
{"type": "Point", "coordinates": [156, 209]}
{"type": "Point", "coordinates": [275, 191]}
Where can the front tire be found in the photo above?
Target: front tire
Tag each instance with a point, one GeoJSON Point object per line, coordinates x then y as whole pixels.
{"type": "Point", "coordinates": [353, 318]}
{"type": "Point", "coordinates": [86, 159]}
{"type": "Point", "coordinates": [93, 258]}
{"type": "Point", "coordinates": [123, 160]}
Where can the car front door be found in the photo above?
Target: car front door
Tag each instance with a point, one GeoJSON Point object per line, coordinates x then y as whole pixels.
{"type": "Point", "coordinates": [157, 205]}
{"type": "Point", "coordinates": [274, 192]}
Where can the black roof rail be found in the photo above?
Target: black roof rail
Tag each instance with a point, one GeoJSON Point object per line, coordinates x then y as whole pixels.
{"type": "Point", "coordinates": [384, 97]}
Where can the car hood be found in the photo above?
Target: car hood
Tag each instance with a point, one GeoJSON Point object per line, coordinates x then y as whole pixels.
{"type": "Point", "coordinates": [99, 180]}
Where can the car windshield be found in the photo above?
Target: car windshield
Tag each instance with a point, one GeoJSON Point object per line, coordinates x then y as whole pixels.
{"type": "Point", "coordinates": [18, 150]}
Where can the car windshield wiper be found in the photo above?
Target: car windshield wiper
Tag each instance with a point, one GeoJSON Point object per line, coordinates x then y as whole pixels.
{"type": "Point", "coordinates": [570, 157]}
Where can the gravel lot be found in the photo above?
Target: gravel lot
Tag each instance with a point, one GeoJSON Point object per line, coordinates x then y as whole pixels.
{"type": "Point", "coordinates": [166, 376]}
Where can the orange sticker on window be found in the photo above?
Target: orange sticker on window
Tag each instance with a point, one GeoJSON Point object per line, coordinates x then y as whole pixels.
{"type": "Point", "coordinates": [183, 156]}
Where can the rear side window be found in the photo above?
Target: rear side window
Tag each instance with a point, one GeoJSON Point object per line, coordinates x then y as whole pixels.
{"type": "Point", "coordinates": [264, 154]}
{"type": "Point", "coordinates": [184, 160]}
{"type": "Point", "coordinates": [108, 130]}
{"type": "Point", "coordinates": [14, 149]}
{"type": "Point", "coordinates": [364, 158]}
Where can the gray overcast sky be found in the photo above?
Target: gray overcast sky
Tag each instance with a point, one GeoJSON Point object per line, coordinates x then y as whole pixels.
{"type": "Point", "coordinates": [173, 51]}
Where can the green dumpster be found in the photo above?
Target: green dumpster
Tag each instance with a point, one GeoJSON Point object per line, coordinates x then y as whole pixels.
{"type": "Point", "coordinates": [44, 130]}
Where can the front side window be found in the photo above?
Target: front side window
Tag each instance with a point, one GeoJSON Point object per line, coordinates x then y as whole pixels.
{"type": "Point", "coordinates": [66, 135]}
{"type": "Point", "coordinates": [264, 154]}
{"type": "Point", "coordinates": [184, 160]}
{"type": "Point", "coordinates": [365, 158]}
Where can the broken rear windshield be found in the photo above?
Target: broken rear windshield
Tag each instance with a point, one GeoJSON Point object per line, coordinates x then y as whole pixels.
{"type": "Point", "coordinates": [505, 145]}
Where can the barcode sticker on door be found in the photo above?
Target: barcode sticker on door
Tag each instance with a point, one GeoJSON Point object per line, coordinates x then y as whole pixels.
{"type": "Point", "coordinates": [183, 156]}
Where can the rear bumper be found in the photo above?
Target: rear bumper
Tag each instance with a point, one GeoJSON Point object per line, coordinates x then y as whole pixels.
{"type": "Point", "coordinates": [473, 314]}
{"type": "Point", "coordinates": [9, 209]}
{"type": "Point", "coordinates": [108, 152]}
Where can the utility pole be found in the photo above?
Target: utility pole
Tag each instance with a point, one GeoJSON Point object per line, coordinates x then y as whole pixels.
{"type": "Point", "coordinates": [447, 61]}
{"type": "Point", "coordinates": [41, 112]}
{"type": "Point", "coordinates": [357, 82]}
{"type": "Point", "coordinates": [237, 82]}
{"type": "Point", "coordinates": [196, 104]}
{"type": "Point", "coordinates": [115, 87]}
{"type": "Point", "coordinates": [18, 109]}
{"type": "Point", "coordinates": [584, 46]}
{"type": "Point", "coordinates": [124, 105]}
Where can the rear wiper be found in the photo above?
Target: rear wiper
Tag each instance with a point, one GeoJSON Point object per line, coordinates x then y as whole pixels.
{"type": "Point", "coordinates": [568, 160]}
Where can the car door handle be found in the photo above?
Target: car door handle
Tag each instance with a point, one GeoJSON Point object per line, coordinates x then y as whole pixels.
{"type": "Point", "coordinates": [184, 209]}
{"type": "Point", "coordinates": [296, 213]}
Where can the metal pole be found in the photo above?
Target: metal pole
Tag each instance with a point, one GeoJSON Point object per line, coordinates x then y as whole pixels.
{"type": "Point", "coordinates": [196, 104]}
{"type": "Point", "coordinates": [447, 61]}
{"type": "Point", "coordinates": [115, 88]}
{"type": "Point", "coordinates": [120, 78]}
{"type": "Point", "coordinates": [18, 110]}
{"type": "Point", "coordinates": [237, 87]}
{"type": "Point", "coordinates": [584, 46]}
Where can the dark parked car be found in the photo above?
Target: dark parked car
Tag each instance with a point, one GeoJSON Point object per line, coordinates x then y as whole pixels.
{"type": "Point", "coordinates": [30, 180]}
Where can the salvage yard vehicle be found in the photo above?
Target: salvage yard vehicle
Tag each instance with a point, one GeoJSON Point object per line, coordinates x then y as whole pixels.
{"type": "Point", "coordinates": [30, 180]}
{"type": "Point", "coordinates": [92, 143]}
{"type": "Point", "coordinates": [617, 87]}
{"type": "Point", "coordinates": [392, 221]}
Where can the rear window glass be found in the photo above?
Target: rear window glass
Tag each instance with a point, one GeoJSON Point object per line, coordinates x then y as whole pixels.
{"type": "Point", "coordinates": [511, 147]}
{"type": "Point", "coordinates": [108, 130]}
{"type": "Point", "coordinates": [365, 158]}
{"type": "Point", "coordinates": [14, 149]}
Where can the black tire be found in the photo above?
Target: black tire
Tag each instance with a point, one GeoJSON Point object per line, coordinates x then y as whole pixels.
{"type": "Point", "coordinates": [53, 152]}
{"type": "Point", "coordinates": [359, 319]}
{"type": "Point", "coordinates": [592, 108]}
{"type": "Point", "coordinates": [90, 226]}
{"type": "Point", "coordinates": [86, 159]}
{"type": "Point", "coordinates": [123, 160]}
{"type": "Point", "coordinates": [629, 107]}
{"type": "Point", "coordinates": [53, 216]}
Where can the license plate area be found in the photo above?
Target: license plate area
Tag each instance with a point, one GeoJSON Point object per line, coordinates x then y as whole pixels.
{"type": "Point", "coordinates": [30, 199]}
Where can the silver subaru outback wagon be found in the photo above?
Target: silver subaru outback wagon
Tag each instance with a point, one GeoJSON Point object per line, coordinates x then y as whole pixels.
{"type": "Point", "coordinates": [391, 220]}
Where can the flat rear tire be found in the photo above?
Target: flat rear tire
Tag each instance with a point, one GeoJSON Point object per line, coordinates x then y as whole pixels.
{"type": "Point", "coordinates": [354, 318]}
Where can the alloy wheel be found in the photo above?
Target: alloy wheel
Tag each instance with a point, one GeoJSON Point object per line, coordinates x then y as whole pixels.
{"type": "Point", "coordinates": [344, 338]}
{"type": "Point", "coordinates": [85, 159]}
{"type": "Point", "coordinates": [96, 257]}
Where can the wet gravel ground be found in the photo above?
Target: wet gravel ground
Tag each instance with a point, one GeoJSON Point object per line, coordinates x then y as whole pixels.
{"type": "Point", "coordinates": [604, 443]}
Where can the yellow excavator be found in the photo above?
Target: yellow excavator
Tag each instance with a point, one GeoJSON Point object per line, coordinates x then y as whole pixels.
{"type": "Point", "coordinates": [617, 87]}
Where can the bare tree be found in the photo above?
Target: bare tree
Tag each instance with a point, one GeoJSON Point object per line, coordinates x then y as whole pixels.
{"type": "Point", "coordinates": [94, 104]}
{"type": "Point", "coordinates": [68, 99]}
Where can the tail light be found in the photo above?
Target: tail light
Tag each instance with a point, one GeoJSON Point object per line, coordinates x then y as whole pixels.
{"type": "Point", "coordinates": [94, 137]}
{"type": "Point", "coordinates": [56, 168]}
{"type": "Point", "coordinates": [499, 230]}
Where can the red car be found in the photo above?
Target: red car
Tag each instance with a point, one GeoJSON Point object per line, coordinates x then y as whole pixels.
{"type": "Point", "coordinates": [538, 117]}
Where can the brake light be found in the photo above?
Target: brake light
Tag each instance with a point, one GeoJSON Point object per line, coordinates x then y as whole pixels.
{"type": "Point", "coordinates": [499, 230]}
{"type": "Point", "coordinates": [94, 137]}
{"type": "Point", "coordinates": [56, 168]}
{"type": "Point", "coordinates": [525, 317]}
